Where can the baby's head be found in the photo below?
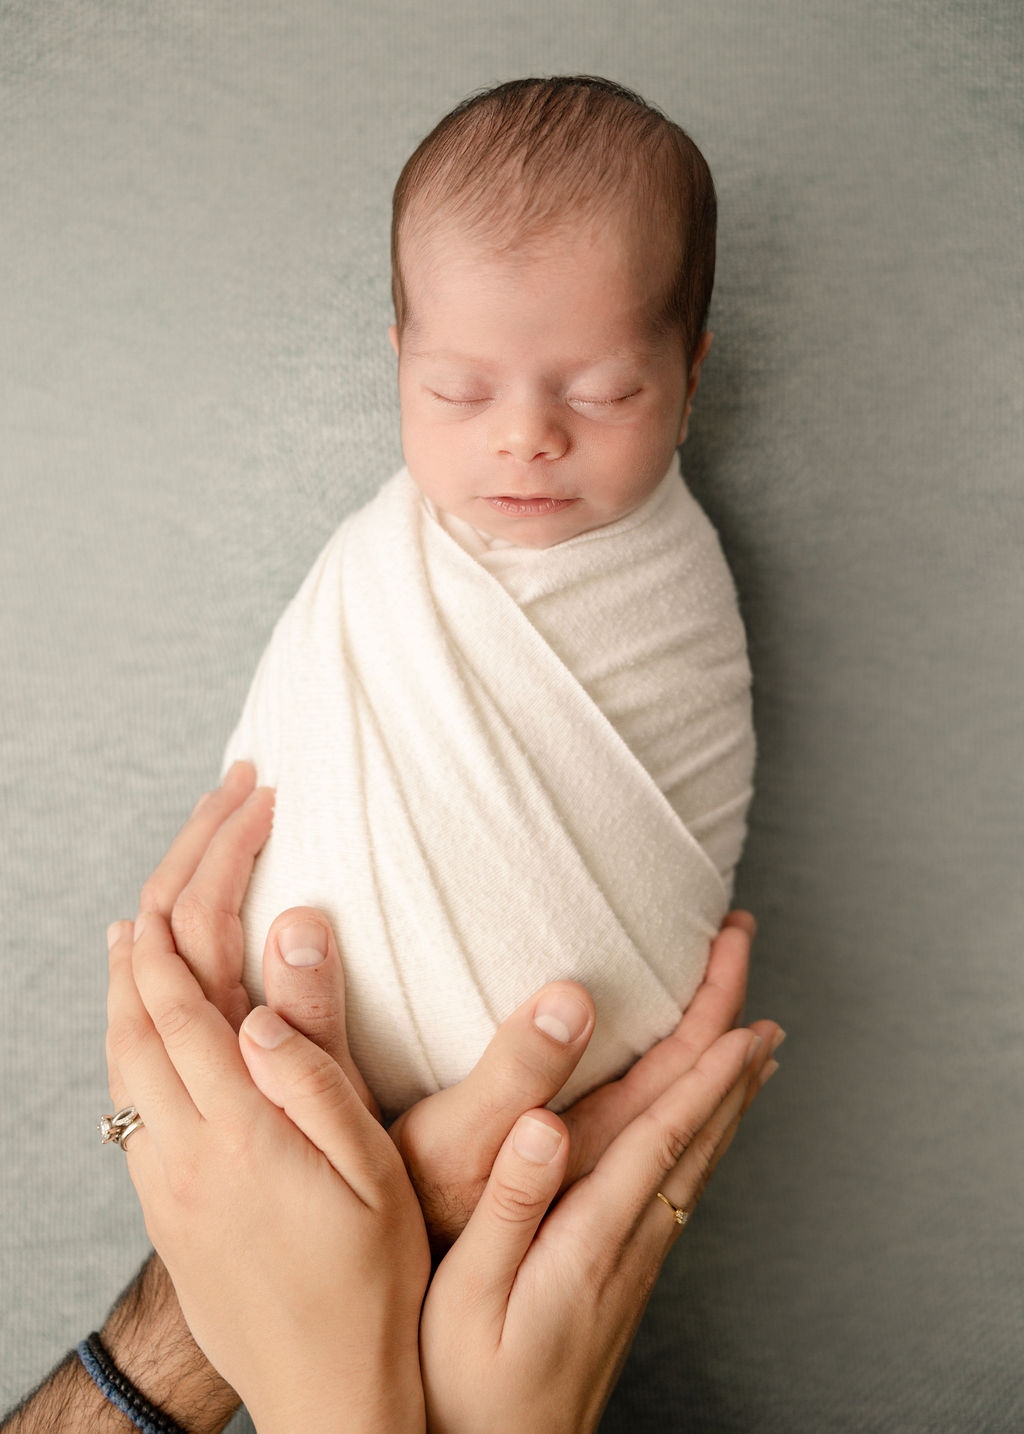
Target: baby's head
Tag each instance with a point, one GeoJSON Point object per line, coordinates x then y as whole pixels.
{"type": "Point", "coordinates": [553, 254]}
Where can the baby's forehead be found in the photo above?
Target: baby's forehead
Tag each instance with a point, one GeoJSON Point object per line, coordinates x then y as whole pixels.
{"type": "Point", "coordinates": [619, 262]}
{"type": "Point", "coordinates": [469, 249]}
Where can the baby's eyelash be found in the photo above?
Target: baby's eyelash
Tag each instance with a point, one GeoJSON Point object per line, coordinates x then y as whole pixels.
{"type": "Point", "coordinates": [606, 402]}
{"type": "Point", "coordinates": [456, 402]}
{"type": "Point", "coordinates": [588, 402]}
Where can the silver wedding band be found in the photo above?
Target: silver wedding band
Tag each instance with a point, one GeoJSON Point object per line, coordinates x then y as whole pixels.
{"type": "Point", "coordinates": [115, 1129]}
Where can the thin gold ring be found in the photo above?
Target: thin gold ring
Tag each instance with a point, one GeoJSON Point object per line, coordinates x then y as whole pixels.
{"type": "Point", "coordinates": [679, 1214]}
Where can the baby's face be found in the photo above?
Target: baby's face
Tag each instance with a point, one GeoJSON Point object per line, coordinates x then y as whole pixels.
{"type": "Point", "coordinates": [537, 400]}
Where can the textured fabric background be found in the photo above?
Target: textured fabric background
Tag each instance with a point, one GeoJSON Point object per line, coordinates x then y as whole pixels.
{"type": "Point", "coordinates": [195, 387]}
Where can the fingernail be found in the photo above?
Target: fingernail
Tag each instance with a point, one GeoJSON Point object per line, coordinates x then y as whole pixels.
{"type": "Point", "coordinates": [259, 795]}
{"type": "Point", "coordinates": [777, 1040]}
{"type": "Point", "coordinates": [201, 802]}
{"type": "Point", "coordinates": [266, 1028]}
{"type": "Point", "coordinates": [561, 1016]}
{"type": "Point", "coordinates": [113, 933]}
{"type": "Point", "coordinates": [535, 1141]}
{"type": "Point", "coordinates": [767, 1071]}
{"type": "Point", "coordinates": [747, 921]}
{"type": "Point", "coordinates": [752, 1050]}
{"type": "Point", "coordinates": [140, 925]}
{"type": "Point", "coordinates": [303, 944]}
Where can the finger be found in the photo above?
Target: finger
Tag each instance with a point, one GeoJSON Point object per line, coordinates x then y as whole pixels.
{"type": "Point", "coordinates": [716, 1008]}
{"type": "Point", "coordinates": [484, 1261]}
{"type": "Point", "coordinates": [141, 1074]}
{"type": "Point", "coordinates": [450, 1140]}
{"type": "Point", "coordinates": [772, 1037]}
{"type": "Point", "coordinates": [197, 1042]}
{"type": "Point", "coordinates": [765, 1066]}
{"type": "Point", "coordinates": [119, 948]}
{"type": "Point", "coordinates": [622, 1187]}
{"type": "Point", "coordinates": [686, 1184]}
{"type": "Point", "coordinates": [304, 982]}
{"type": "Point", "coordinates": [744, 919]}
{"type": "Point", "coordinates": [760, 1072]}
{"type": "Point", "coordinates": [317, 1096]}
{"type": "Point", "coordinates": [530, 1057]}
{"type": "Point", "coordinates": [595, 1121]}
{"type": "Point", "coordinates": [205, 917]}
{"type": "Point", "coordinates": [185, 852]}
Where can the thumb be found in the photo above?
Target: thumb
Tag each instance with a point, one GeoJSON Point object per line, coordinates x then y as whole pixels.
{"type": "Point", "coordinates": [530, 1057]}
{"type": "Point", "coordinates": [304, 981]}
{"type": "Point", "coordinates": [450, 1140]}
{"type": "Point", "coordinates": [527, 1173]}
{"type": "Point", "coordinates": [318, 1097]}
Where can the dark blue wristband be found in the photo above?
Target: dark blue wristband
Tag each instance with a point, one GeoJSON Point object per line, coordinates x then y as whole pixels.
{"type": "Point", "coordinates": [119, 1391]}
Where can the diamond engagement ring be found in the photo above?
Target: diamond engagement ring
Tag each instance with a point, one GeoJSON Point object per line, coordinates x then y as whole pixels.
{"type": "Point", "coordinates": [681, 1215]}
{"type": "Point", "coordinates": [117, 1128]}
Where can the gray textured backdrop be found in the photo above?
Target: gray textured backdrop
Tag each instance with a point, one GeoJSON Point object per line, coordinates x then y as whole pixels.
{"type": "Point", "coordinates": [196, 385]}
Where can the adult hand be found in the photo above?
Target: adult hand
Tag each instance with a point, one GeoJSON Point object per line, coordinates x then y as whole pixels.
{"type": "Point", "coordinates": [448, 1141]}
{"type": "Point", "coordinates": [717, 1007]}
{"type": "Point", "coordinates": [526, 1324]}
{"type": "Point", "coordinates": [146, 1333]}
{"type": "Point", "coordinates": [288, 1216]}
{"type": "Point", "coordinates": [199, 884]}
{"type": "Point", "coordinates": [528, 1061]}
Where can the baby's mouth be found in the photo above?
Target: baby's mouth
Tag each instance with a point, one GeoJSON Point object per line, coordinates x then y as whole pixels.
{"type": "Point", "coordinates": [537, 505]}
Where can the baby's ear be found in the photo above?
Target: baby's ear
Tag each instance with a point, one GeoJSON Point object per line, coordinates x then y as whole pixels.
{"type": "Point", "coordinates": [393, 336]}
{"type": "Point", "coordinates": [693, 380]}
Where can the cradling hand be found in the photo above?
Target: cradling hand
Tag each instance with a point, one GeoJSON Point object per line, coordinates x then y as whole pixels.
{"type": "Point", "coordinates": [278, 1226]}
{"type": "Point", "coordinates": [449, 1140]}
{"type": "Point", "coordinates": [531, 1314]}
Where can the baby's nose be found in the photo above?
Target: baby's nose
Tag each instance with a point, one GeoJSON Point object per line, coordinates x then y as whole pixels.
{"type": "Point", "coordinates": [529, 430]}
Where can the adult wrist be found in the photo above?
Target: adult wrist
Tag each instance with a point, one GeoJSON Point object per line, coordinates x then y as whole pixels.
{"type": "Point", "coordinates": [148, 1341]}
{"type": "Point", "coordinates": [67, 1400]}
{"type": "Point", "coordinates": [119, 1391]}
{"type": "Point", "coordinates": [325, 1403]}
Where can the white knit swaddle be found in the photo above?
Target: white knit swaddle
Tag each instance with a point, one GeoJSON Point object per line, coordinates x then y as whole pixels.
{"type": "Point", "coordinates": [496, 769]}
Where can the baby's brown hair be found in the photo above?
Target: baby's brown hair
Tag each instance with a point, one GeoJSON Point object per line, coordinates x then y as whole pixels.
{"type": "Point", "coordinates": [514, 162]}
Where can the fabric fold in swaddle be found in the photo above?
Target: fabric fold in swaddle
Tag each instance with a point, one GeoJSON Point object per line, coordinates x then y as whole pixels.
{"type": "Point", "coordinates": [499, 768]}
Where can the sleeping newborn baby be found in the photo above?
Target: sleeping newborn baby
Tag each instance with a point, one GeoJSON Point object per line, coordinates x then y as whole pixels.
{"type": "Point", "coordinates": [507, 715]}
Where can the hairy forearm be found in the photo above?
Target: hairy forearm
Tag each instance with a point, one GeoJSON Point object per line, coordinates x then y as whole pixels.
{"type": "Point", "coordinates": [147, 1338]}
{"type": "Point", "coordinates": [149, 1341]}
{"type": "Point", "coordinates": [66, 1400]}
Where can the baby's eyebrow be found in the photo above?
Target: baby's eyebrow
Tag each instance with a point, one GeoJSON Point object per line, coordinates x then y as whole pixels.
{"type": "Point", "coordinates": [449, 355]}
{"type": "Point", "coordinates": [439, 354]}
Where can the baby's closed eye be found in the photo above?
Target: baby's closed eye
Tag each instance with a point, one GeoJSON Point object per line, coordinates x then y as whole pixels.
{"type": "Point", "coordinates": [457, 401]}
{"type": "Point", "coordinates": [603, 402]}
{"type": "Point", "coordinates": [470, 399]}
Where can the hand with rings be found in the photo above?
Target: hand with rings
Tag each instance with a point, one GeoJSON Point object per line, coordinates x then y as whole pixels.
{"type": "Point", "coordinates": [528, 1318]}
{"type": "Point", "coordinates": [289, 1227]}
